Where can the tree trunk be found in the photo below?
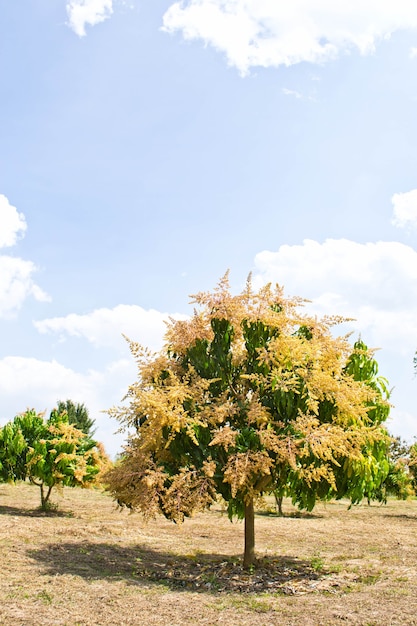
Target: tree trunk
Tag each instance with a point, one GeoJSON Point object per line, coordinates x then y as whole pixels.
{"type": "Point", "coordinates": [249, 554]}
{"type": "Point", "coordinates": [278, 501]}
{"type": "Point", "coordinates": [45, 497]}
{"type": "Point", "coordinates": [42, 496]}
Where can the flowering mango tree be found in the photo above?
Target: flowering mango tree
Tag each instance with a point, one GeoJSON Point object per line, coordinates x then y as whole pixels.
{"type": "Point", "coordinates": [249, 396]}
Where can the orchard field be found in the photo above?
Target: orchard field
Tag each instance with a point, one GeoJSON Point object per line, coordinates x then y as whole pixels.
{"type": "Point", "coordinates": [90, 564]}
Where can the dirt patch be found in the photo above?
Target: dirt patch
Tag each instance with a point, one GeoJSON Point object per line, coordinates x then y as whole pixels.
{"type": "Point", "coordinates": [88, 563]}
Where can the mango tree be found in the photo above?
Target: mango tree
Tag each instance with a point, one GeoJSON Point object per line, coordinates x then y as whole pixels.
{"type": "Point", "coordinates": [49, 453]}
{"type": "Point", "coordinates": [250, 396]}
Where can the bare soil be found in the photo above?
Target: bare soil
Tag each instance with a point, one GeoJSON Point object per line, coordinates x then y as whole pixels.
{"type": "Point", "coordinates": [90, 564]}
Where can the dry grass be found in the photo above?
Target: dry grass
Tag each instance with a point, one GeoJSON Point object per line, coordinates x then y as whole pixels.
{"type": "Point", "coordinates": [90, 564]}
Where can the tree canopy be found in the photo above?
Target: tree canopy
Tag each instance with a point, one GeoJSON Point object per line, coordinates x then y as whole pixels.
{"type": "Point", "coordinates": [249, 396]}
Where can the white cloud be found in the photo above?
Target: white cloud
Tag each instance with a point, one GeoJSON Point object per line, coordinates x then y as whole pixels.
{"type": "Point", "coordinates": [268, 33]}
{"type": "Point", "coordinates": [87, 12]}
{"type": "Point", "coordinates": [42, 383]}
{"type": "Point", "coordinates": [33, 383]}
{"type": "Point", "coordinates": [30, 382]}
{"type": "Point", "coordinates": [16, 282]}
{"type": "Point", "coordinates": [374, 282]}
{"type": "Point", "coordinates": [12, 223]}
{"type": "Point", "coordinates": [291, 92]}
{"type": "Point", "coordinates": [104, 327]}
{"type": "Point", "coordinates": [405, 208]}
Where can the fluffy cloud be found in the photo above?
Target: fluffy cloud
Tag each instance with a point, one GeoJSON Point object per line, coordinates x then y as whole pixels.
{"type": "Point", "coordinates": [12, 223]}
{"type": "Point", "coordinates": [104, 327]}
{"type": "Point", "coordinates": [33, 383]}
{"type": "Point", "coordinates": [91, 12]}
{"type": "Point", "coordinates": [376, 283]}
{"type": "Point", "coordinates": [291, 92]}
{"type": "Point", "coordinates": [405, 208]}
{"type": "Point", "coordinates": [269, 33]}
{"type": "Point", "coordinates": [16, 282]}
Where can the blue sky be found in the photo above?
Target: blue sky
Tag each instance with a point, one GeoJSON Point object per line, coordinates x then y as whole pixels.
{"type": "Point", "coordinates": [147, 147]}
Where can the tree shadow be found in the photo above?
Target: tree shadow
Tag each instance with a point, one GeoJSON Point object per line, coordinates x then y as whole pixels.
{"type": "Point", "coordinates": [38, 512]}
{"type": "Point", "coordinates": [204, 572]}
{"type": "Point", "coordinates": [289, 514]}
{"type": "Point", "coordinates": [402, 516]}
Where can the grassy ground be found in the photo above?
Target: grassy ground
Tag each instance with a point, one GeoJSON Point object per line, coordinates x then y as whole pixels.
{"type": "Point", "coordinates": [90, 564]}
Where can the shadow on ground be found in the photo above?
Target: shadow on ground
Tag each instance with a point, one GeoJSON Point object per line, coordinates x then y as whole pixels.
{"type": "Point", "coordinates": [18, 512]}
{"type": "Point", "coordinates": [291, 514]}
{"type": "Point", "coordinates": [204, 572]}
{"type": "Point", "coordinates": [402, 516]}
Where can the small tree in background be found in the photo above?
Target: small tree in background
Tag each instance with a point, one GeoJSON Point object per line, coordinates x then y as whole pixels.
{"type": "Point", "coordinates": [248, 397]}
{"type": "Point", "coordinates": [51, 453]}
{"type": "Point", "coordinates": [78, 415]}
{"type": "Point", "coordinates": [399, 482]}
{"type": "Point", "coordinates": [412, 464]}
